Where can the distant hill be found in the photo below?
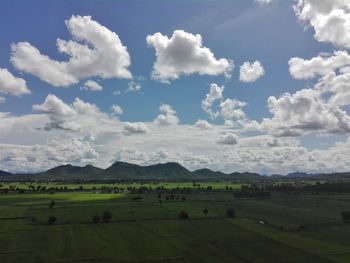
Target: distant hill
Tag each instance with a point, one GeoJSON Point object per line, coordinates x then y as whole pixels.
{"type": "Point", "coordinates": [3, 173]}
{"type": "Point", "coordinates": [122, 171]}
{"type": "Point", "coordinates": [170, 171]}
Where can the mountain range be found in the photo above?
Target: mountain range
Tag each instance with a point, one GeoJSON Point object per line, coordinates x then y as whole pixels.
{"type": "Point", "coordinates": [170, 171]}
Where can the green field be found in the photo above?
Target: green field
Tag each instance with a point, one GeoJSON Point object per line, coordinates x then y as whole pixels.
{"type": "Point", "coordinates": [146, 231]}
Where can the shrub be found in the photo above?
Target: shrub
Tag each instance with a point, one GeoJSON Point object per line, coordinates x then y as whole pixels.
{"type": "Point", "coordinates": [96, 219]}
{"type": "Point", "coordinates": [345, 215]}
{"type": "Point", "coordinates": [106, 216]}
{"type": "Point", "coordinates": [183, 215]}
{"type": "Point", "coordinates": [52, 204]}
{"type": "Point", "coordinates": [52, 220]}
{"type": "Point", "coordinates": [231, 213]}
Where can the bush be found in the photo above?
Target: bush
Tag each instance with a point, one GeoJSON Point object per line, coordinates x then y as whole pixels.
{"type": "Point", "coordinates": [52, 220]}
{"type": "Point", "coordinates": [345, 215]}
{"type": "Point", "coordinates": [183, 215]}
{"type": "Point", "coordinates": [231, 213]}
{"type": "Point", "coordinates": [52, 204]}
{"type": "Point", "coordinates": [106, 216]}
{"type": "Point", "coordinates": [96, 219]}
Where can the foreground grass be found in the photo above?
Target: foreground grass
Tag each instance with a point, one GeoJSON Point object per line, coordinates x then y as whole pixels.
{"type": "Point", "coordinates": [145, 231]}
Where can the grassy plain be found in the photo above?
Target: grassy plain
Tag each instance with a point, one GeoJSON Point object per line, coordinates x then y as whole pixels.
{"type": "Point", "coordinates": [146, 231]}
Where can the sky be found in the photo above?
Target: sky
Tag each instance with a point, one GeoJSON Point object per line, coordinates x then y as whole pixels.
{"type": "Point", "coordinates": [242, 85]}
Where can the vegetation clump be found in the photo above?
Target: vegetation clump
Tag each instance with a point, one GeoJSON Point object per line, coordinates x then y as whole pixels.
{"type": "Point", "coordinates": [231, 213]}
{"type": "Point", "coordinates": [96, 219]}
{"type": "Point", "coordinates": [345, 215]}
{"type": "Point", "coordinates": [183, 215]}
{"type": "Point", "coordinates": [51, 220]}
{"type": "Point", "coordinates": [106, 216]}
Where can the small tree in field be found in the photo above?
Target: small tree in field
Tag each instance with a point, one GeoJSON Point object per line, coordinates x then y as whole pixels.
{"type": "Point", "coordinates": [106, 216]}
{"type": "Point", "coordinates": [205, 212]}
{"type": "Point", "coordinates": [52, 204]}
{"type": "Point", "coordinates": [96, 219]}
{"type": "Point", "coordinates": [345, 215]}
{"type": "Point", "coordinates": [231, 213]}
{"type": "Point", "coordinates": [52, 220]}
{"type": "Point", "coordinates": [183, 215]}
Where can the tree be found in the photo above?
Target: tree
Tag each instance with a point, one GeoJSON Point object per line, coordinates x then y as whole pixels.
{"type": "Point", "coordinates": [96, 219]}
{"type": "Point", "coordinates": [231, 213]}
{"type": "Point", "coordinates": [106, 216]}
{"type": "Point", "coordinates": [52, 204]}
{"type": "Point", "coordinates": [205, 212]}
{"type": "Point", "coordinates": [345, 215]}
{"type": "Point", "coordinates": [52, 220]}
{"type": "Point", "coordinates": [183, 215]}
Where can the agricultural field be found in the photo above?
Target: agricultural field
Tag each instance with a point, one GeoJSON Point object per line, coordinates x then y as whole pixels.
{"type": "Point", "coordinates": [282, 228]}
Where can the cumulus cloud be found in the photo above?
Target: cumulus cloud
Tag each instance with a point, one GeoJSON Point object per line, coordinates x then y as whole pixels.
{"type": "Point", "coordinates": [74, 117]}
{"type": "Point", "coordinates": [133, 86]}
{"type": "Point", "coordinates": [94, 51]}
{"type": "Point", "coordinates": [203, 125]}
{"type": "Point", "coordinates": [230, 110]}
{"type": "Point", "coordinates": [329, 19]}
{"type": "Point", "coordinates": [228, 138]}
{"type": "Point", "coordinates": [135, 128]}
{"type": "Point", "coordinates": [318, 66]}
{"type": "Point", "coordinates": [250, 72]}
{"type": "Point", "coordinates": [167, 117]}
{"type": "Point", "coordinates": [20, 158]}
{"type": "Point", "coordinates": [92, 85]}
{"type": "Point", "coordinates": [105, 142]}
{"type": "Point", "coordinates": [116, 110]}
{"type": "Point", "coordinates": [184, 54]}
{"type": "Point", "coordinates": [215, 94]}
{"type": "Point", "coordinates": [9, 84]}
{"type": "Point", "coordinates": [303, 112]}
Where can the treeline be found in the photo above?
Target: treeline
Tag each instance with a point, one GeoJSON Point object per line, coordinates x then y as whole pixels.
{"type": "Point", "coordinates": [265, 190]}
{"type": "Point", "coordinates": [143, 189]}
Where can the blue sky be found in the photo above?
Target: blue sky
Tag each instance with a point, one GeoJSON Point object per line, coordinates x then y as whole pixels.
{"type": "Point", "coordinates": [242, 31]}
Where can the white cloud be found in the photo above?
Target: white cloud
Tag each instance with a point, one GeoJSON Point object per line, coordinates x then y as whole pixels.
{"type": "Point", "coordinates": [215, 94]}
{"type": "Point", "coordinates": [9, 84]}
{"type": "Point", "coordinates": [76, 117]}
{"type": "Point", "coordinates": [250, 72]}
{"type": "Point", "coordinates": [228, 138]}
{"type": "Point", "coordinates": [133, 86]}
{"type": "Point", "coordinates": [184, 54]}
{"type": "Point", "coordinates": [99, 53]}
{"type": "Point", "coordinates": [303, 112]}
{"type": "Point", "coordinates": [231, 111]}
{"type": "Point", "coordinates": [92, 85]}
{"type": "Point", "coordinates": [106, 141]}
{"type": "Point", "coordinates": [329, 19]}
{"type": "Point", "coordinates": [135, 128]}
{"type": "Point", "coordinates": [2, 100]}
{"type": "Point", "coordinates": [28, 158]}
{"type": "Point", "coordinates": [116, 110]}
{"type": "Point", "coordinates": [263, 2]}
{"type": "Point", "coordinates": [203, 125]}
{"type": "Point", "coordinates": [167, 116]}
{"type": "Point", "coordinates": [318, 66]}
